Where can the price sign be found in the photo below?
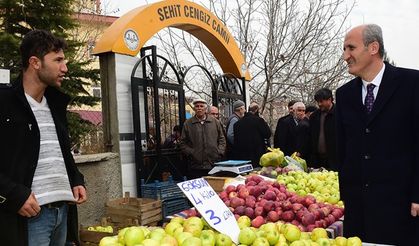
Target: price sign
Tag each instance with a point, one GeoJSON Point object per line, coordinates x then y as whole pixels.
{"type": "Point", "coordinates": [211, 207]}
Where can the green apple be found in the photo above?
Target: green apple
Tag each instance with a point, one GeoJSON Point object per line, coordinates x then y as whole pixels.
{"type": "Point", "coordinates": [182, 236]}
{"type": "Point", "coordinates": [280, 226]}
{"type": "Point", "coordinates": [244, 221]}
{"type": "Point", "coordinates": [305, 235]}
{"type": "Point", "coordinates": [179, 220]}
{"type": "Point", "coordinates": [193, 221]}
{"type": "Point", "coordinates": [171, 227]}
{"type": "Point", "coordinates": [157, 234]}
{"type": "Point", "coordinates": [195, 229]}
{"type": "Point", "coordinates": [247, 236]}
{"type": "Point", "coordinates": [260, 241]}
{"type": "Point", "coordinates": [273, 237]}
{"type": "Point", "coordinates": [191, 241]}
{"type": "Point", "coordinates": [260, 233]}
{"type": "Point", "coordinates": [150, 242]}
{"type": "Point", "coordinates": [205, 223]}
{"type": "Point", "coordinates": [323, 242]}
{"type": "Point", "coordinates": [223, 240]}
{"type": "Point", "coordinates": [109, 241]}
{"type": "Point", "coordinates": [318, 233]}
{"type": "Point", "coordinates": [292, 233]}
{"type": "Point", "coordinates": [340, 241]}
{"type": "Point", "coordinates": [134, 235]}
{"type": "Point", "coordinates": [270, 226]}
{"type": "Point", "coordinates": [121, 234]}
{"type": "Point", "coordinates": [169, 240]}
{"type": "Point", "coordinates": [146, 231]}
{"type": "Point", "coordinates": [207, 238]}
{"type": "Point", "coordinates": [177, 231]}
{"type": "Point", "coordinates": [354, 241]}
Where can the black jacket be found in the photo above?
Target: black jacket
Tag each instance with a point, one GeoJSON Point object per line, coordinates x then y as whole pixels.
{"type": "Point", "coordinates": [19, 150]}
{"type": "Point", "coordinates": [286, 135]}
{"type": "Point", "coordinates": [378, 156]}
{"type": "Point", "coordinates": [250, 135]}
{"type": "Point", "coordinates": [329, 135]}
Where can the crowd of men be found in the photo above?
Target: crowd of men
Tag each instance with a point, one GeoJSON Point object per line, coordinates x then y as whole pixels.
{"type": "Point", "coordinates": [246, 135]}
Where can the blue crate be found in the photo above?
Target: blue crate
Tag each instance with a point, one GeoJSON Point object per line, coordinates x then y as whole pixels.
{"type": "Point", "coordinates": [161, 190]}
{"type": "Point", "coordinates": [170, 207]}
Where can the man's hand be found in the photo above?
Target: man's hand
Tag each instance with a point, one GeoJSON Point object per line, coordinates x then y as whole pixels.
{"type": "Point", "coordinates": [79, 193]}
{"type": "Point", "coordinates": [414, 209]}
{"type": "Point", "coordinates": [31, 207]}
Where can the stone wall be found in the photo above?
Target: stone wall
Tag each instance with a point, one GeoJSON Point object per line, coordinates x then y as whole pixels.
{"type": "Point", "coordinates": [102, 173]}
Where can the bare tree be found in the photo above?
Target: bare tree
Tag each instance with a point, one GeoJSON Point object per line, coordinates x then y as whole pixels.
{"type": "Point", "coordinates": [291, 47]}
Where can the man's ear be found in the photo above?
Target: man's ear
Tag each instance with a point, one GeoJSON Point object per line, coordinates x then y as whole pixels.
{"type": "Point", "coordinates": [34, 62]}
{"type": "Point", "coordinates": [374, 47]}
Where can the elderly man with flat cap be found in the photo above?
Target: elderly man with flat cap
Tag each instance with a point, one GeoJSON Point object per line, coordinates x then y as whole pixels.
{"type": "Point", "coordinates": [202, 140]}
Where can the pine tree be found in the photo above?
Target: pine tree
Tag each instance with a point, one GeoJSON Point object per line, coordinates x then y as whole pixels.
{"type": "Point", "coordinates": [17, 17]}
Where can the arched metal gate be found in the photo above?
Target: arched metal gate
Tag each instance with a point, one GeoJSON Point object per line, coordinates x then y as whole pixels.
{"type": "Point", "coordinates": [158, 104]}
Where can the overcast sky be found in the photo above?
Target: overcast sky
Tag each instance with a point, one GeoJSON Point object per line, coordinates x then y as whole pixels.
{"type": "Point", "coordinates": [398, 19]}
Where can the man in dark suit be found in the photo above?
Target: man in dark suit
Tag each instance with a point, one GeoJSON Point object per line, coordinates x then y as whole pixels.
{"type": "Point", "coordinates": [323, 131]}
{"type": "Point", "coordinates": [378, 143]}
{"type": "Point", "coordinates": [250, 135]}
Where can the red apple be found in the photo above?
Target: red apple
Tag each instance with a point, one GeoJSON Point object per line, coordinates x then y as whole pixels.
{"type": "Point", "coordinates": [297, 206]}
{"type": "Point", "coordinates": [258, 221]}
{"type": "Point", "coordinates": [232, 194]}
{"type": "Point", "coordinates": [259, 211]}
{"type": "Point", "coordinates": [230, 188]}
{"type": "Point", "coordinates": [236, 201]}
{"type": "Point", "coordinates": [308, 219]}
{"type": "Point", "coordinates": [243, 192]}
{"type": "Point", "coordinates": [250, 202]}
{"type": "Point", "coordinates": [281, 196]}
{"type": "Point", "coordinates": [269, 206]}
{"type": "Point", "coordinates": [240, 210]}
{"type": "Point", "coordinates": [273, 216]}
{"type": "Point", "coordinates": [249, 212]}
{"type": "Point", "coordinates": [270, 195]}
{"type": "Point", "coordinates": [287, 216]}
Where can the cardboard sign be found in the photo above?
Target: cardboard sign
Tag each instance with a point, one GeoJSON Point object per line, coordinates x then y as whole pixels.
{"type": "Point", "coordinates": [211, 207]}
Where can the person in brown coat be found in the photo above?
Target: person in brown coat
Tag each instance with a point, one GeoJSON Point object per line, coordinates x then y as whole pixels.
{"type": "Point", "coordinates": [202, 141]}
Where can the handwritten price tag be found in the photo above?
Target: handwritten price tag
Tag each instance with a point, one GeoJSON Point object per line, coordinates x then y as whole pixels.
{"type": "Point", "coordinates": [210, 206]}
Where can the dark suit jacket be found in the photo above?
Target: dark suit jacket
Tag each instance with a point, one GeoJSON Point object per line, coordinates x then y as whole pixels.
{"type": "Point", "coordinates": [250, 134]}
{"type": "Point", "coordinates": [378, 156]}
{"type": "Point", "coordinates": [330, 138]}
{"type": "Point", "coordinates": [286, 135]}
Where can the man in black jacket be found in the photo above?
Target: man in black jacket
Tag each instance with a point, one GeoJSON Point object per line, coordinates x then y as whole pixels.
{"type": "Point", "coordinates": [38, 176]}
{"type": "Point", "coordinates": [323, 131]}
{"type": "Point", "coordinates": [250, 136]}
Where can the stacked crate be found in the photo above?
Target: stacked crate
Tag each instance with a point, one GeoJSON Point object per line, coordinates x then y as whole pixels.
{"type": "Point", "coordinates": [172, 198]}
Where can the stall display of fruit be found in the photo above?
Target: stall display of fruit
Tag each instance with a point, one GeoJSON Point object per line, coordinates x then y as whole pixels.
{"type": "Point", "coordinates": [195, 232]}
{"type": "Point", "coordinates": [267, 201]}
{"type": "Point", "coordinates": [324, 186]}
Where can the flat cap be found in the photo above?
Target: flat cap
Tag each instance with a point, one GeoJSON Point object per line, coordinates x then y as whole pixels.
{"type": "Point", "coordinates": [199, 100]}
{"type": "Point", "coordinates": [237, 104]}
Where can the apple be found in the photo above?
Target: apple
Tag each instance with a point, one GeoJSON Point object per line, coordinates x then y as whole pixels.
{"type": "Point", "coordinates": [247, 236]}
{"type": "Point", "coordinates": [258, 221]}
{"type": "Point", "coordinates": [195, 229]}
{"type": "Point", "coordinates": [270, 226]}
{"type": "Point", "coordinates": [134, 235]}
{"type": "Point", "coordinates": [250, 201]}
{"type": "Point", "coordinates": [107, 241]}
{"type": "Point", "coordinates": [193, 221]}
{"type": "Point", "coordinates": [192, 241]}
{"type": "Point", "coordinates": [270, 195]}
{"type": "Point", "coordinates": [223, 240]}
{"type": "Point", "coordinates": [259, 211]}
{"type": "Point", "coordinates": [121, 234]}
{"type": "Point", "coordinates": [157, 234]}
{"type": "Point", "coordinates": [323, 242]}
{"type": "Point", "coordinates": [318, 233]}
{"type": "Point", "coordinates": [207, 238]}
{"type": "Point", "coordinates": [240, 210]}
{"type": "Point", "coordinates": [249, 212]}
{"type": "Point", "coordinates": [169, 240]}
{"type": "Point", "coordinates": [308, 219]}
{"type": "Point", "coordinates": [243, 192]}
{"type": "Point", "coordinates": [354, 241]}
{"type": "Point", "coordinates": [273, 216]}
{"type": "Point", "coordinates": [236, 202]}
{"type": "Point", "coordinates": [272, 237]}
{"type": "Point", "coordinates": [146, 231]}
{"type": "Point", "coordinates": [232, 194]}
{"type": "Point", "coordinates": [244, 221]}
{"type": "Point", "coordinates": [340, 241]}
{"type": "Point", "coordinates": [292, 233]}
{"type": "Point", "coordinates": [150, 242]}
{"type": "Point", "coordinates": [177, 231]}
{"type": "Point", "coordinates": [182, 236]}
{"type": "Point", "coordinates": [287, 216]}
{"type": "Point", "coordinates": [230, 188]}
{"type": "Point", "coordinates": [260, 241]}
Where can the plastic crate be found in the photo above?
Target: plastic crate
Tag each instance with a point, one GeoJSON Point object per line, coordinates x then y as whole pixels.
{"type": "Point", "coordinates": [165, 190]}
{"type": "Point", "coordinates": [170, 207]}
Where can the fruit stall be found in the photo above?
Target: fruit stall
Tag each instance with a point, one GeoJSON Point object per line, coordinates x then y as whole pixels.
{"type": "Point", "coordinates": [278, 204]}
